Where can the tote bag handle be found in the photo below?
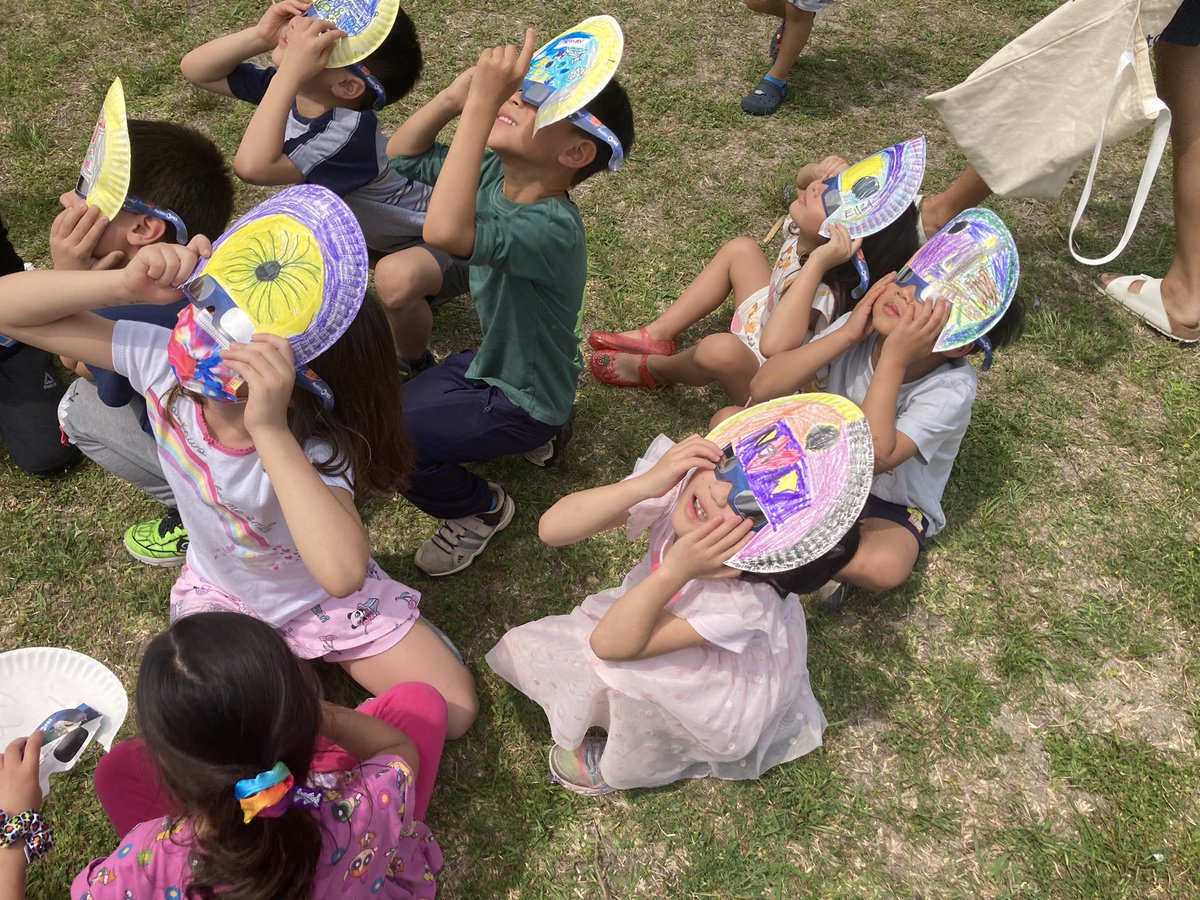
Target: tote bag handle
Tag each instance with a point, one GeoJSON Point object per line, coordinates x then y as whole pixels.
{"type": "Point", "coordinates": [1158, 142]}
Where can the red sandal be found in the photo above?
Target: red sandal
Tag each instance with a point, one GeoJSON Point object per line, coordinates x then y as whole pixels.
{"type": "Point", "coordinates": [608, 340]}
{"type": "Point", "coordinates": [603, 370]}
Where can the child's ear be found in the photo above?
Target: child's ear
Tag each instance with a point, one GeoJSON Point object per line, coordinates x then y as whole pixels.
{"type": "Point", "coordinates": [579, 153]}
{"type": "Point", "coordinates": [959, 352]}
{"type": "Point", "coordinates": [348, 86]}
{"type": "Point", "coordinates": [146, 230]}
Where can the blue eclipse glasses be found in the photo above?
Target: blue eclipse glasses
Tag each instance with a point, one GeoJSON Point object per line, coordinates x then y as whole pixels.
{"type": "Point", "coordinates": [134, 205]}
{"type": "Point", "coordinates": [741, 498]}
{"type": "Point", "coordinates": [535, 93]}
{"type": "Point", "coordinates": [372, 82]}
{"type": "Point", "coordinates": [232, 324]}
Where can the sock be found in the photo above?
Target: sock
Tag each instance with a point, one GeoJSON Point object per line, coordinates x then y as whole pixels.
{"type": "Point", "coordinates": [495, 502]}
{"type": "Point", "coordinates": [775, 81]}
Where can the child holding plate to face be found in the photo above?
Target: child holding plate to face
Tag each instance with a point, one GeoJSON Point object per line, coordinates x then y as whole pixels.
{"type": "Point", "coordinates": [844, 222]}
{"type": "Point", "coordinates": [274, 401]}
{"type": "Point", "coordinates": [696, 665]}
{"type": "Point", "coordinates": [900, 355]}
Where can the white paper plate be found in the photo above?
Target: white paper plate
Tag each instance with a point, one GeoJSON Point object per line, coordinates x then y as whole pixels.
{"type": "Point", "coordinates": [37, 681]}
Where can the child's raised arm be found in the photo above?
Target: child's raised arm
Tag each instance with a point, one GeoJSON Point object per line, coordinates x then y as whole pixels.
{"type": "Point", "coordinates": [789, 324]}
{"type": "Point", "coordinates": [638, 625]}
{"type": "Point", "coordinates": [260, 158]}
{"type": "Point", "coordinates": [209, 65]}
{"type": "Point", "coordinates": [450, 221]}
{"type": "Point", "coordinates": [52, 309]}
{"type": "Point", "coordinates": [585, 513]}
{"type": "Point", "coordinates": [787, 372]}
{"type": "Point", "coordinates": [421, 129]}
{"type": "Point", "coordinates": [323, 520]}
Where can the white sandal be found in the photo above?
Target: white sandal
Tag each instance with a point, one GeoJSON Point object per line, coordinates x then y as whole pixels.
{"type": "Point", "coordinates": [1147, 305]}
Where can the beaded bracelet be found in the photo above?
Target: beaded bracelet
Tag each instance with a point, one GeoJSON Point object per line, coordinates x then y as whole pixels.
{"type": "Point", "coordinates": [39, 839]}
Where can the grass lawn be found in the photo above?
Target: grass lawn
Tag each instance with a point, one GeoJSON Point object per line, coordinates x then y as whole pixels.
{"type": "Point", "coordinates": [1020, 719]}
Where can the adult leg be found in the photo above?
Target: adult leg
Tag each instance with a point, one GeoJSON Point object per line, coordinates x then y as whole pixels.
{"type": "Point", "coordinates": [419, 711]}
{"type": "Point", "coordinates": [405, 280]}
{"type": "Point", "coordinates": [422, 656]}
{"type": "Point", "coordinates": [887, 552]}
{"type": "Point", "coordinates": [113, 438]}
{"type": "Point", "coordinates": [30, 390]}
{"type": "Point", "coordinates": [1178, 77]}
{"type": "Point", "coordinates": [968, 190]}
{"type": "Point", "coordinates": [738, 266]}
{"type": "Point", "coordinates": [129, 787]}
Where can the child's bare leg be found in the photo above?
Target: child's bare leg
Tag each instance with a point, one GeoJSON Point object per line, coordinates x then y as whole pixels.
{"type": "Point", "coordinates": [722, 414]}
{"type": "Point", "coordinates": [887, 552]}
{"type": "Point", "coordinates": [404, 281]}
{"type": "Point", "coordinates": [796, 31]}
{"type": "Point", "coordinates": [422, 656]}
{"type": "Point", "coordinates": [718, 357]}
{"type": "Point", "coordinates": [738, 266]}
{"type": "Point", "coordinates": [968, 190]}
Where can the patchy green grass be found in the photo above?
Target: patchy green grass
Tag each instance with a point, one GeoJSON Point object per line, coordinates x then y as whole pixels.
{"type": "Point", "coordinates": [1018, 720]}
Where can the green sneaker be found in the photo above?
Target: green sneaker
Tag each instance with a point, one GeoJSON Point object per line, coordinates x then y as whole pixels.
{"type": "Point", "coordinates": [159, 542]}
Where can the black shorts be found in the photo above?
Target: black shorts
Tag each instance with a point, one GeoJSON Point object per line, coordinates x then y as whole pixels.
{"type": "Point", "coordinates": [1184, 27]}
{"type": "Point", "coordinates": [908, 516]}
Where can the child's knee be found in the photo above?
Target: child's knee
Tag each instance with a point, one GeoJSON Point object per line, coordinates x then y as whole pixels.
{"type": "Point", "coordinates": [403, 278]}
{"type": "Point", "coordinates": [876, 571]}
{"type": "Point", "coordinates": [741, 246]}
{"type": "Point", "coordinates": [462, 706]}
{"type": "Point", "coordinates": [720, 353]}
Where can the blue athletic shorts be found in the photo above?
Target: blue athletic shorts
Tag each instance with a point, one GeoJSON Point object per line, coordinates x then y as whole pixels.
{"type": "Point", "coordinates": [908, 516]}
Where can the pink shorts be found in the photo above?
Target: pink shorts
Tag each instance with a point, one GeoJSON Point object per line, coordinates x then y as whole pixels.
{"type": "Point", "coordinates": [373, 619]}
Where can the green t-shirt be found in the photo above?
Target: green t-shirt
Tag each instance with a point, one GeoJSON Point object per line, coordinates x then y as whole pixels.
{"type": "Point", "coordinates": [528, 273]}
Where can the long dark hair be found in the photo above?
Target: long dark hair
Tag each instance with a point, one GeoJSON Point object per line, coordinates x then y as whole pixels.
{"type": "Point", "coordinates": [221, 698]}
{"type": "Point", "coordinates": [812, 575]}
{"type": "Point", "coordinates": [885, 251]}
{"type": "Point", "coordinates": [365, 428]}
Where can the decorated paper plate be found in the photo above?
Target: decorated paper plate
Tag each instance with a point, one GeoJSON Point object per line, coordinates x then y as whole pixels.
{"type": "Point", "coordinates": [972, 263]}
{"type": "Point", "coordinates": [104, 176]}
{"type": "Point", "coordinates": [367, 24]}
{"type": "Point", "coordinates": [576, 65]}
{"type": "Point", "coordinates": [874, 192]}
{"type": "Point", "coordinates": [36, 682]}
{"type": "Point", "coordinates": [800, 467]}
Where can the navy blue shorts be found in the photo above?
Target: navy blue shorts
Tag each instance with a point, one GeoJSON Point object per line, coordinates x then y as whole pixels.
{"type": "Point", "coordinates": [1184, 27]}
{"type": "Point", "coordinates": [908, 516]}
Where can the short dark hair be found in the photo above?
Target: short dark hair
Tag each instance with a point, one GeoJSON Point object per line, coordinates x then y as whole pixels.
{"type": "Point", "coordinates": [396, 62]}
{"type": "Point", "coordinates": [221, 698]}
{"type": "Point", "coordinates": [179, 168]}
{"type": "Point", "coordinates": [812, 575]}
{"type": "Point", "coordinates": [1008, 327]}
{"type": "Point", "coordinates": [611, 106]}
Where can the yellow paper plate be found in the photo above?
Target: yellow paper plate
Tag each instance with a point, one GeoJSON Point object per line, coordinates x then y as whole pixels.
{"type": "Point", "coordinates": [104, 176]}
{"type": "Point", "coordinates": [578, 64]}
{"type": "Point", "coordinates": [367, 24]}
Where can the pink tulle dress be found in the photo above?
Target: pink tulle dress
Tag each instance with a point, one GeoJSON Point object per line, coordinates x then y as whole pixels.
{"type": "Point", "coordinates": [731, 708]}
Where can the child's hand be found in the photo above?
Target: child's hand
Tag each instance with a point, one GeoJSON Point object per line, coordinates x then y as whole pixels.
{"type": "Point", "coordinates": [269, 368]}
{"type": "Point", "coordinates": [819, 171]}
{"type": "Point", "coordinates": [277, 17]}
{"type": "Point", "coordinates": [858, 327]}
{"type": "Point", "coordinates": [920, 326]}
{"type": "Point", "coordinates": [19, 788]}
{"type": "Point", "coordinates": [702, 553]}
{"type": "Point", "coordinates": [310, 43]}
{"type": "Point", "coordinates": [837, 250]}
{"type": "Point", "coordinates": [458, 90]}
{"type": "Point", "coordinates": [500, 71]}
{"type": "Point", "coordinates": [73, 238]}
{"type": "Point", "coordinates": [154, 275]}
{"type": "Point", "coordinates": [691, 452]}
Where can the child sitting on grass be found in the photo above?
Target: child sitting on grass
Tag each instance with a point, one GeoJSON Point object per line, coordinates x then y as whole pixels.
{"type": "Point", "coordinates": [320, 126]}
{"type": "Point", "coordinates": [509, 213]}
{"type": "Point", "coordinates": [917, 401]}
{"type": "Point", "coordinates": [778, 308]}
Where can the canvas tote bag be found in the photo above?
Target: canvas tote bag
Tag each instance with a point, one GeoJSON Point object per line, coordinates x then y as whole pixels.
{"type": "Point", "coordinates": [1074, 82]}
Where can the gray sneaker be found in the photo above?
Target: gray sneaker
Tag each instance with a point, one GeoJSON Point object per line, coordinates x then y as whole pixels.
{"type": "Point", "coordinates": [457, 542]}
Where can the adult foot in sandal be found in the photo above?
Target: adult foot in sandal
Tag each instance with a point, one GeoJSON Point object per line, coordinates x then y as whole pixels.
{"type": "Point", "coordinates": [1145, 298]}
{"type": "Point", "coordinates": [622, 369]}
{"type": "Point", "coordinates": [639, 341]}
{"type": "Point", "coordinates": [764, 100]}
